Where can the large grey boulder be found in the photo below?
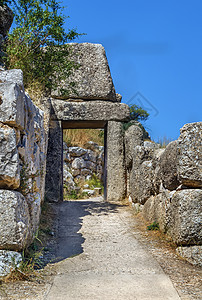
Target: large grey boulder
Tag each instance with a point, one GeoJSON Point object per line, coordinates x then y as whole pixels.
{"type": "Point", "coordinates": [133, 137]}
{"type": "Point", "coordinates": [185, 217]}
{"type": "Point", "coordinates": [14, 221]}
{"type": "Point", "coordinates": [156, 209]}
{"type": "Point", "coordinates": [141, 181]}
{"type": "Point", "coordinates": [12, 105]}
{"type": "Point", "coordinates": [142, 173]}
{"type": "Point", "coordinates": [9, 158]}
{"type": "Point", "coordinates": [88, 111]}
{"type": "Point", "coordinates": [190, 155]}
{"type": "Point", "coordinates": [6, 19]}
{"type": "Point", "coordinates": [92, 77]}
{"type": "Point", "coordinates": [9, 260]}
{"type": "Point", "coordinates": [166, 168]}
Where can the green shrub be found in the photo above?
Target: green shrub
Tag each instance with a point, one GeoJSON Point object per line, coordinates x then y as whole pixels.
{"type": "Point", "coordinates": [153, 226]}
{"type": "Point", "coordinates": [38, 45]}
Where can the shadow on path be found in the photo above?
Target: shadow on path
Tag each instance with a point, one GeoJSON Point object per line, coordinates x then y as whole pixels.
{"type": "Point", "coordinates": [67, 241]}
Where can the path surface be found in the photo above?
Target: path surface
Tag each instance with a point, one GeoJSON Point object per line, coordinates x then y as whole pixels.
{"type": "Point", "coordinates": [105, 260]}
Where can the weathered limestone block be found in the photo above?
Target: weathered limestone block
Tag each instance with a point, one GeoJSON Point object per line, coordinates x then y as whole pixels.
{"type": "Point", "coordinates": [133, 137]}
{"type": "Point", "coordinates": [156, 209]}
{"type": "Point", "coordinates": [116, 170]}
{"type": "Point", "coordinates": [89, 111]}
{"type": "Point", "coordinates": [190, 155]}
{"type": "Point", "coordinates": [14, 76]}
{"type": "Point", "coordinates": [77, 151]}
{"type": "Point", "coordinates": [9, 159]}
{"type": "Point", "coordinates": [141, 181]}
{"type": "Point", "coordinates": [185, 217]}
{"type": "Point", "coordinates": [166, 168]}
{"type": "Point", "coordinates": [34, 203]}
{"type": "Point", "coordinates": [12, 105]}
{"type": "Point", "coordinates": [32, 152]}
{"type": "Point", "coordinates": [14, 221]}
{"type": "Point", "coordinates": [78, 163]}
{"type": "Point", "coordinates": [9, 260]}
{"type": "Point", "coordinates": [92, 77]}
{"type": "Point", "coordinates": [192, 254]}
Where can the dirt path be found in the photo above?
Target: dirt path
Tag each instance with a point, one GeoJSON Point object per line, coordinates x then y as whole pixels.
{"type": "Point", "coordinates": [111, 263]}
{"type": "Point", "coordinates": [103, 251]}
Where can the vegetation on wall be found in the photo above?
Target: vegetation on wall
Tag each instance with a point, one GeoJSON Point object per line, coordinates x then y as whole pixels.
{"type": "Point", "coordinates": [37, 44]}
{"type": "Point", "coordinates": [137, 113]}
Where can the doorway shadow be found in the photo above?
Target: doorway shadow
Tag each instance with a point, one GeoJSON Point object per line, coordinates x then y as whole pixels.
{"type": "Point", "coordinates": [67, 240]}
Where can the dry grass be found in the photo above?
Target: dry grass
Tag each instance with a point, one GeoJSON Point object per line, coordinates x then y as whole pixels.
{"type": "Point", "coordinates": [79, 137]}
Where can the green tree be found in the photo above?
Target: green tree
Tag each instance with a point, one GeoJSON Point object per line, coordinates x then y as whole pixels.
{"type": "Point", "coordinates": [137, 113]}
{"type": "Point", "coordinates": [38, 44]}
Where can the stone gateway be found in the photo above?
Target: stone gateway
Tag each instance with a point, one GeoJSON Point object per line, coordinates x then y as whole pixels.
{"type": "Point", "coordinates": [165, 184]}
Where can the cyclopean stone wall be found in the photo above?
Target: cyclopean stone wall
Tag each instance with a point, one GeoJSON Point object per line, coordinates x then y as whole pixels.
{"type": "Point", "coordinates": [23, 146]}
{"type": "Point", "coordinates": [166, 184]}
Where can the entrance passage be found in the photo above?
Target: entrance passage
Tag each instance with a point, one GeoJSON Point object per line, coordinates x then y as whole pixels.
{"type": "Point", "coordinates": [83, 115]}
{"type": "Point", "coordinates": [105, 259]}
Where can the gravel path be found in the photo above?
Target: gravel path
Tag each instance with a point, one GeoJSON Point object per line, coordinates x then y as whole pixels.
{"type": "Point", "coordinates": [105, 259]}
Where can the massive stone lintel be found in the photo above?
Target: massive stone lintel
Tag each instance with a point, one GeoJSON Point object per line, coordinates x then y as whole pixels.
{"type": "Point", "coordinates": [92, 78]}
{"type": "Point", "coordinates": [89, 111]}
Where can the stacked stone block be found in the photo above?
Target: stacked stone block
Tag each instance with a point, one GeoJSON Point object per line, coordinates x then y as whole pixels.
{"type": "Point", "coordinates": [22, 163]}
{"type": "Point", "coordinates": [167, 185]}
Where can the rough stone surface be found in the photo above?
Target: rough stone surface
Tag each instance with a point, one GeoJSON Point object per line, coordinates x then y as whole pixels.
{"type": "Point", "coordinates": [6, 19]}
{"type": "Point", "coordinates": [12, 105]}
{"type": "Point", "coordinates": [133, 138]}
{"type": "Point", "coordinates": [14, 221]}
{"type": "Point", "coordinates": [156, 209]}
{"type": "Point", "coordinates": [82, 163]}
{"type": "Point", "coordinates": [190, 155]}
{"type": "Point", "coordinates": [88, 111]}
{"type": "Point", "coordinates": [185, 217]}
{"type": "Point", "coordinates": [141, 187]}
{"type": "Point", "coordinates": [14, 76]}
{"type": "Point", "coordinates": [9, 158]}
{"type": "Point", "coordinates": [166, 169]}
{"type": "Point", "coordinates": [192, 254]}
{"type": "Point", "coordinates": [54, 164]}
{"type": "Point", "coordinates": [92, 77]}
{"type": "Point", "coordinates": [77, 151]}
{"type": "Point", "coordinates": [116, 170]}
{"type": "Point", "coordinates": [23, 147]}
{"type": "Point", "coordinates": [9, 260]}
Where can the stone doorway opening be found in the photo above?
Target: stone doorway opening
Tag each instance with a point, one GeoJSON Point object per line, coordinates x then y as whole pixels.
{"type": "Point", "coordinates": [84, 160]}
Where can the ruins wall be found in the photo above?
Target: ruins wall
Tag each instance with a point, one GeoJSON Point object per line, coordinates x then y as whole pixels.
{"type": "Point", "coordinates": [166, 185]}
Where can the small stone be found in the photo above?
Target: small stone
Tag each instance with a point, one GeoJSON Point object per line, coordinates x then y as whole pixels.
{"type": "Point", "coordinates": [9, 260]}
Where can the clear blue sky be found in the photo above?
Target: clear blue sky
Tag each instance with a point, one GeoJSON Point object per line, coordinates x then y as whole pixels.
{"type": "Point", "coordinates": [153, 47]}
